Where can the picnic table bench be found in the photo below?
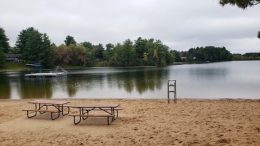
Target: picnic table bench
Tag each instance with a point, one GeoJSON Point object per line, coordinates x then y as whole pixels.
{"type": "Point", "coordinates": [109, 112]}
{"type": "Point", "coordinates": [47, 106]}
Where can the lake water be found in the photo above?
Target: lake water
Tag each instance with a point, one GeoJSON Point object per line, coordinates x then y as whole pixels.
{"type": "Point", "coordinates": [214, 80]}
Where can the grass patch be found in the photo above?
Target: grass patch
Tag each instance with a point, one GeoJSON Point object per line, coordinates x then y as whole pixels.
{"type": "Point", "coordinates": [11, 66]}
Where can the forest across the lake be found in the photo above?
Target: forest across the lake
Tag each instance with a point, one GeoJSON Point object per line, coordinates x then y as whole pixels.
{"type": "Point", "coordinates": [33, 46]}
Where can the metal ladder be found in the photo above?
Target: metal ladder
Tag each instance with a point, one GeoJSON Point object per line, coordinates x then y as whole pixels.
{"type": "Point", "coordinates": [172, 83]}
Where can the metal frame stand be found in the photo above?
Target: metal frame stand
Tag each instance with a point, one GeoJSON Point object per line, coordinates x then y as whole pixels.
{"type": "Point", "coordinates": [172, 83]}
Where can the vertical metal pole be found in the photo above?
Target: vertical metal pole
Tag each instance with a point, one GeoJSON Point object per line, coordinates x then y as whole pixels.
{"type": "Point", "coordinates": [168, 92]}
{"type": "Point", "coordinates": [175, 92]}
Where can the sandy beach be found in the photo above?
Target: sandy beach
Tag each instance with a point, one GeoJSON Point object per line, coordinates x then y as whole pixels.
{"type": "Point", "coordinates": [142, 122]}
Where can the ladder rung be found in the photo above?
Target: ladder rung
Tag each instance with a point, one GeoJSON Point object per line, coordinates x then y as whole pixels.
{"type": "Point", "coordinates": [172, 91]}
{"type": "Point", "coordinates": [171, 85]}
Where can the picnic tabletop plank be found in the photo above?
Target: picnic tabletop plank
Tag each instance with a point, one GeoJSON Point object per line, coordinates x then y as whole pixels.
{"type": "Point", "coordinates": [47, 101]}
{"type": "Point", "coordinates": [95, 106]}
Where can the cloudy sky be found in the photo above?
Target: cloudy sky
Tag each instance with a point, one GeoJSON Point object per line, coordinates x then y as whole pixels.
{"type": "Point", "coordinates": [180, 24]}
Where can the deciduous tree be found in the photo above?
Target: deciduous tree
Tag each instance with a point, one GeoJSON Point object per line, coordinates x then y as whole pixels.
{"type": "Point", "coordinates": [70, 41]}
{"type": "Point", "coordinates": [61, 55]}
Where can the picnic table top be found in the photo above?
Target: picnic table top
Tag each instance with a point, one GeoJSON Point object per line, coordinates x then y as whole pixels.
{"type": "Point", "coordinates": [95, 106]}
{"type": "Point", "coordinates": [49, 101]}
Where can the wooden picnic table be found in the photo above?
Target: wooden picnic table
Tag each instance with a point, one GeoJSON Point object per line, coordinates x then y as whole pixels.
{"type": "Point", "coordinates": [84, 112]}
{"type": "Point", "coordinates": [43, 106]}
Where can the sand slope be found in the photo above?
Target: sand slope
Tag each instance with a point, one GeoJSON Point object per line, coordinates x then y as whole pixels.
{"type": "Point", "coordinates": [142, 122]}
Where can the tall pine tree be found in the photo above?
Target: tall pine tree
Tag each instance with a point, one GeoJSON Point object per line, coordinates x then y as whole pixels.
{"type": "Point", "coordinates": [4, 46]}
{"type": "Point", "coordinates": [35, 47]}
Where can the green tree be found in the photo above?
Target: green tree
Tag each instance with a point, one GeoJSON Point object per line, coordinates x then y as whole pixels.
{"type": "Point", "coordinates": [90, 57]}
{"type": "Point", "coordinates": [129, 53]}
{"type": "Point", "coordinates": [124, 54]}
{"type": "Point", "coordinates": [99, 52]}
{"type": "Point", "coordinates": [77, 55]}
{"type": "Point", "coordinates": [240, 3]}
{"type": "Point", "coordinates": [46, 54]}
{"type": "Point", "coordinates": [61, 55]}
{"type": "Point", "coordinates": [141, 49]}
{"type": "Point", "coordinates": [138, 53]}
{"type": "Point", "coordinates": [70, 41]}
{"type": "Point", "coordinates": [2, 58]}
{"type": "Point", "coordinates": [70, 55]}
{"type": "Point", "coordinates": [176, 55]}
{"type": "Point", "coordinates": [161, 54]}
{"type": "Point", "coordinates": [87, 45]}
{"type": "Point", "coordinates": [108, 52]}
{"type": "Point", "coordinates": [4, 45]}
{"type": "Point", "coordinates": [35, 47]}
{"type": "Point", "coordinates": [209, 53]}
{"type": "Point", "coordinates": [109, 46]}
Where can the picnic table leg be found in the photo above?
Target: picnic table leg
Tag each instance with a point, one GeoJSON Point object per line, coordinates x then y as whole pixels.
{"type": "Point", "coordinates": [107, 120]}
{"type": "Point", "coordinates": [82, 113]}
{"type": "Point", "coordinates": [35, 113]}
{"type": "Point", "coordinates": [76, 123]}
{"type": "Point", "coordinates": [63, 110]}
{"type": "Point", "coordinates": [28, 112]}
{"type": "Point", "coordinates": [113, 113]}
{"type": "Point", "coordinates": [52, 117]}
{"type": "Point", "coordinates": [74, 117]}
{"type": "Point", "coordinates": [40, 108]}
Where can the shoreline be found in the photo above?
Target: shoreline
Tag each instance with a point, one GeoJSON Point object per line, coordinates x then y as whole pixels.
{"type": "Point", "coordinates": [139, 99]}
{"type": "Point", "coordinates": [24, 68]}
{"type": "Point", "coordinates": [141, 122]}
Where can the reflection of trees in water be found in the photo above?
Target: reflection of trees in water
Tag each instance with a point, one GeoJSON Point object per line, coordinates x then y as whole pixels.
{"type": "Point", "coordinates": [86, 81]}
{"type": "Point", "coordinates": [129, 80]}
{"type": "Point", "coordinates": [72, 86]}
{"type": "Point", "coordinates": [36, 88]}
{"type": "Point", "coordinates": [141, 80]}
{"type": "Point", "coordinates": [208, 73]}
{"type": "Point", "coordinates": [5, 90]}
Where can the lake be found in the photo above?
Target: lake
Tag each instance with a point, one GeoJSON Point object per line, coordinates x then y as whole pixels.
{"type": "Point", "coordinates": [236, 79]}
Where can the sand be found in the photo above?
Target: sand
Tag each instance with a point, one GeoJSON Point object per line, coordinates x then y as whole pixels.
{"type": "Point", "coordinates": [142, 122]}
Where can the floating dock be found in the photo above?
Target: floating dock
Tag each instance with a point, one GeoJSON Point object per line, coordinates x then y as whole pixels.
{"type": "Point", "coordinates": [47, 75]}
{"type": "Point", "coordinates": [59, 71]}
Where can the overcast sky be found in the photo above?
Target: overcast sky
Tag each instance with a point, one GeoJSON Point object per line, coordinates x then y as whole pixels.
{"type": "Point", "coordinates": [180, 24]}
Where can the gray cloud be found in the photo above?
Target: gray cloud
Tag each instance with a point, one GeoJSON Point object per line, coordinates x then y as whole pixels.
{"type": "Point", "coordinates": [179, 24]}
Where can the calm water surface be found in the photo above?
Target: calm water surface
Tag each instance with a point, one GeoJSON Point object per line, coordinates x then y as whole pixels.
{"type": "Point", "coordinates": [214, 80]}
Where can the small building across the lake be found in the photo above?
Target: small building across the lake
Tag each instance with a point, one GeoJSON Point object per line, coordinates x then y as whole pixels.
{"type": "Point", "coordinates": [13, 57]}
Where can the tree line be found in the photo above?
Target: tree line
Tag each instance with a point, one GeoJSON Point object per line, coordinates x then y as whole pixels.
{"type": "Point", "coordinates": [203, 54]}
{"type": "Point", "coordinates": [247, 56]}
{"type": "Point", "coordinates": [36, 47]}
